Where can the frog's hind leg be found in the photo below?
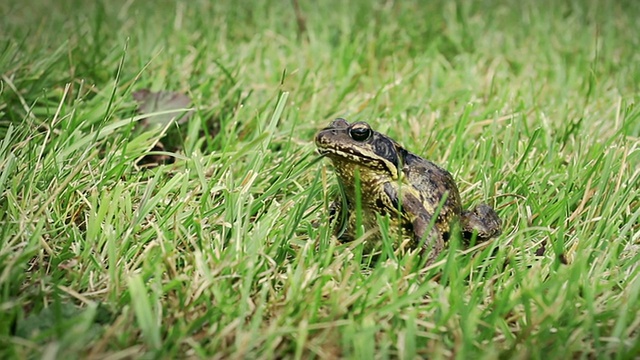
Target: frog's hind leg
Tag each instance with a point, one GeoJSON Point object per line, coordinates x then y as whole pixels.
{"type": "Point", "coordinates": [425, 233]}
{"type": "Point", "coordinates": [432, 242]}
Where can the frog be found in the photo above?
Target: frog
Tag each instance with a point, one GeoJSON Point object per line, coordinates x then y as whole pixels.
{"type": "Point", "coordinates": [379, 177]}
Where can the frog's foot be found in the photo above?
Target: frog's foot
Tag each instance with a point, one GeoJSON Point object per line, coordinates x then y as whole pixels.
{"type": "Point", "coordinates": [482, 221]}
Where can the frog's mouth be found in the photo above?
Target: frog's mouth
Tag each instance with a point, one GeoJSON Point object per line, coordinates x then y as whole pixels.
{"type": "Point", "coordinates": [346, 154]}
{"type": "Point", "coordinates": [359, 158]}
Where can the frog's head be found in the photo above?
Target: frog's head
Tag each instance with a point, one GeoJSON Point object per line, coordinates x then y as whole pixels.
{"type": "Point", "coordinates": [357, 145]}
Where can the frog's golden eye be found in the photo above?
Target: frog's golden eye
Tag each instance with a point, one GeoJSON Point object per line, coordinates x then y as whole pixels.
{"type": "Point", "coordinates": [360, 132]}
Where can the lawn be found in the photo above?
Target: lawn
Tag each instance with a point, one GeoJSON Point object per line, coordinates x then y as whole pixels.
{"type": "Point", "coordinates": [226, 251]}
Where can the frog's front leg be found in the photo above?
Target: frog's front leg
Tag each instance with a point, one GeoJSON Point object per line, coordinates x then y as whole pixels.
{"type": "Point", "coordinates": [340, 220]}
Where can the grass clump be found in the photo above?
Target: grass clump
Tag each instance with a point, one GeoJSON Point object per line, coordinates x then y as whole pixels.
{"type": "Point", "coordinates": [227, 252]}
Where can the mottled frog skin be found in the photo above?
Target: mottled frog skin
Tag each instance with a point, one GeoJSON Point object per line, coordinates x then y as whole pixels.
{"type": "Point", "coordinates": [394, 181]}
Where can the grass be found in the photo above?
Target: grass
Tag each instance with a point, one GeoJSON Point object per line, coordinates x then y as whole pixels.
{"type": "Point", "coordinates": [532, 105]}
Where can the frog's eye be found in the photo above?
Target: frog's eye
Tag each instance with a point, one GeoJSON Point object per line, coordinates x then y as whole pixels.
{"type": "Point", "coordinates": [360, 132]}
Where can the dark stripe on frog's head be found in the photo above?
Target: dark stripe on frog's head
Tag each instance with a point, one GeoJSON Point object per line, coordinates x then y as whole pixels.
{"type": "Point", "coordinates": [386, 148]}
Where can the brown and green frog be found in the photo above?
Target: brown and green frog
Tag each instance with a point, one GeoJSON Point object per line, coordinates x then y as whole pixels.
{"type": "Point", "coordinates": [389, 180]}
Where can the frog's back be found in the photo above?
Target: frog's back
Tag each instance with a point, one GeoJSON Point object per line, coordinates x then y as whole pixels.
{"type": "Point", "coordinates": [432, 183]}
